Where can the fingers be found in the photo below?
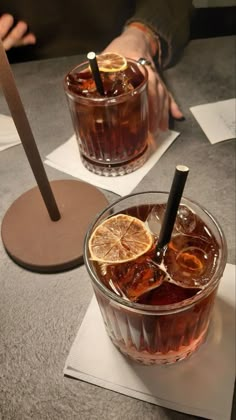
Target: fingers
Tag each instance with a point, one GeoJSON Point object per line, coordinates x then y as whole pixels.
{"type": "Point", "coordinates": [28, 39]}
{"type": "Point", "coordinates": [164, 110]}
{"type": "Point", "coordinates": [158, 102]}
{"type": "Point", "coordinates": [6, 22]}
{"type": "Point", "coordinates": [174, 109]}
{"type": "Point", "coordinates": [161, 103]}
{"type": "Point", "coordinates": [14, 36]}
{"type": "Point", "coordinates": [154, 102]}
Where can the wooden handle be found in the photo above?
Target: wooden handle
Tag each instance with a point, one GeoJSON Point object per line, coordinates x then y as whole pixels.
{"type": "Point", "coordinates": [24, 130]}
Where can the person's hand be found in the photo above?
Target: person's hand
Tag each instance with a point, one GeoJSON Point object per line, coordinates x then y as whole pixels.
{"type": "Point", "coordinates": [132, 43]}
{"type": "Point", "coordinates": [14, 35]}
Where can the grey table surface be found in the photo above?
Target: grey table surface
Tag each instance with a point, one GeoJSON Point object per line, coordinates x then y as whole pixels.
{"type": "Point", "coordinates": [40, 313]}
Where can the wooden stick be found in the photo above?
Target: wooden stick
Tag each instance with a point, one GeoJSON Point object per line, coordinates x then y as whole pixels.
{"type": "Point", "coordinates": [24, 130]}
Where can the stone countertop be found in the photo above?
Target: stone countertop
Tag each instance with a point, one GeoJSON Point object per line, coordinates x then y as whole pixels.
{"type": "Point", "coordinates": [41, 313]}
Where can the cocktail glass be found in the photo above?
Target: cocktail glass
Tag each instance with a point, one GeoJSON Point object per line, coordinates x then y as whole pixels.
{"type": "Point", "coordinates": [170, 322]}
{"type": "Point", "coordinates": [111, 130]}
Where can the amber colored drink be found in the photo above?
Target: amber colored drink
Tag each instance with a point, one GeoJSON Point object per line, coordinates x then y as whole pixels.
{"type": "Point", "coordinates": [159, 311]}
{"type": "Point", "coordinates": [111, 130]}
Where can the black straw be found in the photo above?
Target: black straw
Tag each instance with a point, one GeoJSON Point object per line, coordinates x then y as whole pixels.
{"type": "Point", "coordinates": [176, 191]}
{"type": "Point", "coordinates": [91, 56]}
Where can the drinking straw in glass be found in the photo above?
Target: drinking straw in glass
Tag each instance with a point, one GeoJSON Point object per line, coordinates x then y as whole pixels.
{"type": "Point", "coordinates": [176, 191]}
{"type": "Point", "coordinates": [91, 56]}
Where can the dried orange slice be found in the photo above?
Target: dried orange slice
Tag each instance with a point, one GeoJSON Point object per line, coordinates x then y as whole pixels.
{"type": "Point", "coordinates": [111, 62]}
{"type": "Point", "coordinates": [119, 239]}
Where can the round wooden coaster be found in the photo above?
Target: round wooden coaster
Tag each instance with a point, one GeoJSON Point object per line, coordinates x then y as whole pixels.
{"type": "Point", "coordinates": [37, 243]}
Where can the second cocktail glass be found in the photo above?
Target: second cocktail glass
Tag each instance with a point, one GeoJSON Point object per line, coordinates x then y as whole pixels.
{"type": "Point", "coordinates": [111, 130]}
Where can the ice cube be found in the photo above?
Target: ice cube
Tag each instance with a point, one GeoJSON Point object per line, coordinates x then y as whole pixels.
{"type": "Point", "coordinates": [116, 84]}
{"type": "Point", "coordinates": [185, 220]}
{"type": "Point", "coordinates": [134, 279]}
{"type": "Point", "coordinates": [155, 218]}
{"type": "Point", "coordinates": [190, 261]}
{"type": "Point", "coordinates": [81, 83]}
{"type": "Point", "coordinates": [167, 294]}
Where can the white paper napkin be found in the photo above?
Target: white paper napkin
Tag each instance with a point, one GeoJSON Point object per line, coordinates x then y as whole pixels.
{"type": "Point", "coordinates": [8, 133]}
{"type": "Point", "coordinates": [202, 385]}
{"type": "Point", "coordinates": [66, 158]}
{"type": "Point", "coordinates": [217, 120]}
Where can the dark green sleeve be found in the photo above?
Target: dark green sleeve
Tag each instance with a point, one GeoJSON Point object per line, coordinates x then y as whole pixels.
{"type": "Point", "coordinates": [170, 19]}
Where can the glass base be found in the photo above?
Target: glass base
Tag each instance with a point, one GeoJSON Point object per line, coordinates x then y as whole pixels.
{"type": "Point", "coordinates": [117, 169]}
{"type": "Point", "coordinates": [146, 358]}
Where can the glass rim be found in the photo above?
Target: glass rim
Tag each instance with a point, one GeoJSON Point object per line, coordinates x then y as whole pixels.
{"type": "Point", "coordinates": [107, 100]}
{"type": "Point", "coordinates": [159, 309]}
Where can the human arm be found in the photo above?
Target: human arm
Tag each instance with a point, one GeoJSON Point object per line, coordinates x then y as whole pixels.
{"type": "Point", "coordinates": [14, 35]}
{"type": "Point", "coordinates": [167, 22]}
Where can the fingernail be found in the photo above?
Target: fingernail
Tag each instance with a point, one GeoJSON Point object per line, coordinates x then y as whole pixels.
{"type": "Point", "coordinates": [180, 118]}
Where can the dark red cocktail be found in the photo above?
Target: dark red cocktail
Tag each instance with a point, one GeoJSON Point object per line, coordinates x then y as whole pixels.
{"type": "Point", "coordinates": [112, 130]}
{"type": "Point", "coordinates": [159, 312]}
